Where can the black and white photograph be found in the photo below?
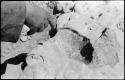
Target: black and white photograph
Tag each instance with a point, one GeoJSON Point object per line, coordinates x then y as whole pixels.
{"type": "Point", "coordinates": [76, 39]}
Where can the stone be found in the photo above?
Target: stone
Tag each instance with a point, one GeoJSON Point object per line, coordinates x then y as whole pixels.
{"type": "Point", "coordinates": [106, 49]}
{"type": "Point", "coordinates": [35, 17]}
{"type": "Point", "coordinates": [12, 72]}
{"type": "Point", "coordinates": [12, 19]}
{"type": "Point", "coordinates": [25, 38]}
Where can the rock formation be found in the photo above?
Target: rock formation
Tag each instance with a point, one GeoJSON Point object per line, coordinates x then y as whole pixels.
{"type": "Point", "coordinates": [88, 43]}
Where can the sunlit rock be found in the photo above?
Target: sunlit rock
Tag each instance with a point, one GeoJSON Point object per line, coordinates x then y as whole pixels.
{"type": "Point", "coordinates": [60, 50]}
{"type": "Point", "coordinates": [12, 72]}
{"type": "Point", "coordinates": [63, 20]}
{"type": "Point", "coordinates": [106, 49]}
{"type": "Point", "coordinates": [88, 16]}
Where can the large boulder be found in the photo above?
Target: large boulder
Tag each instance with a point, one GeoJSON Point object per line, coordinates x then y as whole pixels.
{"type": "Point", "coordinates": [37, 18]}
{"type": "Point", "coordinates": [15, 14]}
{"type": "Point", "coordinates": [12, 19]}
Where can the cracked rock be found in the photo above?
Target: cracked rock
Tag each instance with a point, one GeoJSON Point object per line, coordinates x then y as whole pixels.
{"type": "Point", "coordinates": [106, 49]}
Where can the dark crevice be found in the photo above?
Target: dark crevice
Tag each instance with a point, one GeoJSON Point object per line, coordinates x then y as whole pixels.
{"type": "Point", "coordinates": [52, 32]}
{"type": "Point", "coordinates": [87, 48]}
{"type": "Point", "coordinates": [40, 43]}
{"type": "Point", "coordinates": [86, 39]}
{"type": "Point", "coordinates": [56, 11]}
{"type": "Point", "coordinates": [72, 9]}
{"type": "Point", "coordinates": [69, 19]}
{"type": "Point", "coordinates": [24, 64]}
{"type": "Point", "coordinates": [32, 31]}
{"type": "Point", "coordinates": [92, 17]}
{"type": "Point", "coordinates": [87, 53]}
{"type": "Point", "coordinates": [3, 68]}
{"type": "Point", "coordinates": [100, 15]}
{"type": "Point", "coordinates": [103, 32]}
{"type": "Point", "coordinates": [74, 31]}
{"type": "Point", "coordinates": [15, 61]}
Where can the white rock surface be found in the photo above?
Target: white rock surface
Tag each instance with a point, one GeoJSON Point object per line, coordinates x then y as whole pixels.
{"type": "Point", "coordinates": [53, 53]}
{"type": "Point", "coordinates": [23, 35]}
{"type": "Point", "coordinates": [12, 72]}
{"type": "Point", "coordinates": [93, 14]}
{"type": "Point", "coordinates": [56, 51]}
{"type": "Point", "coordinates": [25, 38]}
{"type": "Point", "coordinates": [106, 49]}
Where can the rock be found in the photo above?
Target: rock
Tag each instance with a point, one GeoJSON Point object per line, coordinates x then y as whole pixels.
{"type": "Point", "coordinates": [12, 20]}
{"type": "Point", "coordinates": [12, 72]}
{"type": "Point", "coordinates": [25, 38]}
{"type": "Point", "coordinates": [63, 20]}
{"type": "Point", "coordinates": [35, 17]}
{"type": "Point", "coordinates": [86, 19]}
{"type": "Point", "coordinates": [84, 36]}
{"type": "Point", "coordinates": [65, 5]}
{"type": "Point", "coordinates": [106, 49]}
{"type": "Point", "coordinates": [21, 58]}
{"type": "Point", "coordinates": [64, 50]}
{"type": "Point", "coordinates": [87, 53]}
{"type": "Point", "coordinates": [9, 50]}
{"type": "Point", "coordinates": [38, 19]}
{"type": "Point", "coordinates": [26, 74]}
{"type": "Point", "coordinates": [44, 57]}
{"type": "Point", "coordinates": [25, 30]}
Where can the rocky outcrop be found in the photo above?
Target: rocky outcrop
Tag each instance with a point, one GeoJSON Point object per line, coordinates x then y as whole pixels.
{"type": "Point", "coordinates": [87, 43]}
